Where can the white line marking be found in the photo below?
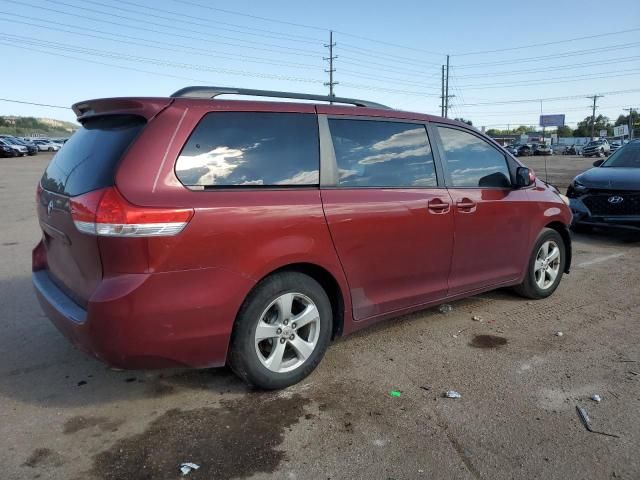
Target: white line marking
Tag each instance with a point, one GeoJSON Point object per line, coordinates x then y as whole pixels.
{"type": "Point", "coordinates": [600, 259]}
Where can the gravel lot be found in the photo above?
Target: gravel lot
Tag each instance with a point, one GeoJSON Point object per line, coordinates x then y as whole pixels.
{"type": "Point", "coordinates": [65, 416]}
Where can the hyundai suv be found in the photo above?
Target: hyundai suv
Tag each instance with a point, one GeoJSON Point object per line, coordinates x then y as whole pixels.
{"type": "Point", "coordinates": [195, 231]}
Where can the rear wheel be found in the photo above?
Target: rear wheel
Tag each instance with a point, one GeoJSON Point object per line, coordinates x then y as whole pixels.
{"type": "Point", "coordinates": [546, 266]}
{"type": "Point", "coordinates": [282, 331]}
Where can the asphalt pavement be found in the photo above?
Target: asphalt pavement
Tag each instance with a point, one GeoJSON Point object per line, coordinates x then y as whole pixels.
{"type": "Point", "coordinates": [66, 416]}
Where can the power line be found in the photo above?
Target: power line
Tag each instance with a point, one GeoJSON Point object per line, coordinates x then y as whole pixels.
{"type": "Point", "coordinates": [157, 44]}
{"type": "Point", "coordinates": [124, 17]}
{"type": "Point", "coordinates": [148, 60]}
{"type": "Point", "coordinates": [391, 57]}
{"type": "Point", "coordinates": [554, 56]}
{"type": "Point", "coordinates": [257, 17]}
{"type": "Point", "coordinates": [10, 40]}
{"type": "Point", "coordinates": [546, 69]}
{"type": "Point", "coordinates": [173, 18]}
{"type": "Point", "coordinates": [314, 27]}
{"type": "Point", "coordinates": [219, 22]}
{"type": "Point", "coordinates": [551, 80]}
{"type": "Point", "coordinates": [544, 44]}
{"type": "Point", "coordinates": [549, 99]}
{"type": "Point", "coordinates": [286, 50]}
{"type": "Point", "coordinates": [32, 103]}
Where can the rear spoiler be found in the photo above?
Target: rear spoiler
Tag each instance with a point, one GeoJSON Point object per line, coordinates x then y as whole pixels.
{"type": "Point", "coordinates": [144, 107]}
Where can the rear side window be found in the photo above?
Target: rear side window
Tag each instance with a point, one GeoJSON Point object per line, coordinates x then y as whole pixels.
{"type": "Point", "coordinates": [472, 162]}
{"type": "Point", "coordinates": [88, 160]}
{"type": "Point", "coordinates": [245, 149]}
{"type": "Point", "coordinates": [372, 153]}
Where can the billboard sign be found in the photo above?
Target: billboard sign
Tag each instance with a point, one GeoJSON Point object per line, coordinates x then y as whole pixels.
{"type": "Point", "coordinates": [552, 120]}
{"type": "Point", "coordinates": [621, 130]}
{"type": "Point", "coordinates": [603, 133]}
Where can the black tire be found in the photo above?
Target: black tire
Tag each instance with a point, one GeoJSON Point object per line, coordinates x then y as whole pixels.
{"type": "Point", "coordinates": [243, 358]}
{"type": "Point", "coordinates": [529, 288]}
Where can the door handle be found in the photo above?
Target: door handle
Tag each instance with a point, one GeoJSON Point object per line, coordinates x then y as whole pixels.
{"type": "Point", "coordinates": [466, 205]}
{"type": "Point", "coordinates": [438, 206]}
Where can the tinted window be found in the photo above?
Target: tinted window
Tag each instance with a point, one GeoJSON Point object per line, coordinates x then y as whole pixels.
{"type": "Point", "coordinates": [87, 161]}
{"type": "Point", "coordinates": [625, 157]}
{"type": "Point", "coordinates": [251, 149]}
{"type": "Point", "coordinates": [371, 153]}
{"type": "Point", "coordinates": [471, 161]}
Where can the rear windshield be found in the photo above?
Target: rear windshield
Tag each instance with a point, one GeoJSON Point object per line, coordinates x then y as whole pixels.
{"type": "Point", "coordinates": [88, 160]}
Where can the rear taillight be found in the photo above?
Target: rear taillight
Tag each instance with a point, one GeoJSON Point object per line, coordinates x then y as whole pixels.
{"type": "Point", "coordinates": [107, 213]}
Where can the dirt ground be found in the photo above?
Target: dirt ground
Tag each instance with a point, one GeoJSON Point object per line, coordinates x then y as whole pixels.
{"type": "Point", "coordinates": [558, 170]}
{"type": "Point", "coordinates": [65, 416]}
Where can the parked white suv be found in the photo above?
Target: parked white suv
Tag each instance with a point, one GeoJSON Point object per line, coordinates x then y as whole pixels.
{"type": "Point", "coordinates": [597, 148]}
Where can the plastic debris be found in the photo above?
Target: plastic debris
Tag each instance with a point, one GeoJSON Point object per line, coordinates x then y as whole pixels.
{"type": "Point", "coordinates": [186, 468]}
{"type": "Point", "coordinates": [445, 308]}
{"type": "Point", "coordinates": [559, 334]}
{"type": "Point", "coordinates": [586, 421]}
{"type": "Point", "coordinates": [633, 373]}
{"type": "Point", "coordinates": [395, 393]}
{"type": "Point", "coordinates": [476, 318]}
{"type": "Point", "coordinates": [452, 394]}
{"type": "Point", "coordinates": [596, 398]}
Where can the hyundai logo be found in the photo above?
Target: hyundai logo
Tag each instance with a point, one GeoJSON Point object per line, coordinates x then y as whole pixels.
{"type": "Point", "coordinates": [49, 208]}
{"type": "Point", "coordinates": [616, 199]}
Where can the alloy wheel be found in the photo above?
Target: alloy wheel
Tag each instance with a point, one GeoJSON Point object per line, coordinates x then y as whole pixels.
{"type": "Point", "coordinates": [287, 332]}
{"type": "Point", "coordinates": [547, 264]}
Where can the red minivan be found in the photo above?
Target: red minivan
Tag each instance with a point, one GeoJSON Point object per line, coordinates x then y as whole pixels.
{"type": "Point", "coordinates": [193, 231]}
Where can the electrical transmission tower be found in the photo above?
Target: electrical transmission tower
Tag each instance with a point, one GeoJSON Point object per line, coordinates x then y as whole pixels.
{"type": "Point", "coordinates": [593, 116]}
{"type": "Point", "coordinates": [631, 111]}
{"type": "Point", "coordinates": [330, 59]}
{"type": "Point", "coordinates": [444, 105]}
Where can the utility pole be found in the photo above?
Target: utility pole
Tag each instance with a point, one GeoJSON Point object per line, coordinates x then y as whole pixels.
{"type": "Point", "coordinates": [631, 111]}
{"type": "Point", "coordinates": [446, 96]}
{"type": "Point", "coordinates": [593, 115]}
{"type": "Point", "coordinates": [442, 95]}
{"type": "Point", "coordinates": [331, 70]}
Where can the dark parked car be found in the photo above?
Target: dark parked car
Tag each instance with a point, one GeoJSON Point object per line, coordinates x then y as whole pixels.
{"type": "Point", "coordinates": [31, 148]}
{"type": "Point", "coordinates": [596, 148]}
{"type": "Point", "coordinates": [19, 150]}
{"type": "Point", "coordinates": [609, 194]}
{"type": "Point", "coordinates": [571, 150]}
{"type": "Point", "coordinates": [6, 151]}
{"type": "Point", "coordinates": [525, 150]}
{"type": "Point", "coordinates": [201, 232]}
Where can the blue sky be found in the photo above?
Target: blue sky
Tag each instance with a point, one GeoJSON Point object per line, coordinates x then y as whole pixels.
{"type": "Point", "coordinates": [62, 51]}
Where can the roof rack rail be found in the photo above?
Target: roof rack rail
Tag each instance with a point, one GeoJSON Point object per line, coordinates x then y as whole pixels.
{"type": "Point", "coordinates": [212, 92]}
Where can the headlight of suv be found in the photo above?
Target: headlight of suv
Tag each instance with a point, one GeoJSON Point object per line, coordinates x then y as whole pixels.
{"type": "Point", "coordinates": [575, 189]}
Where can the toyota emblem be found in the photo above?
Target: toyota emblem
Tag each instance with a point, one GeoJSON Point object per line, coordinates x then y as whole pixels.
{"type": "Point", "coordinates": [616, 199]}
{"type": "Point", "coordinates": [49, 207]}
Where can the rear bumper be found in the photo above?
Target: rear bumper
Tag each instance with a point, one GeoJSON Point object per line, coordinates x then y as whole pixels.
{"type": "Point", "coordinates": [139, 321]}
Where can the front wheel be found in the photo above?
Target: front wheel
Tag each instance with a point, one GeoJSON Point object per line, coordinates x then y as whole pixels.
{"type": "Point", "coordinates": [545, 267]}
{"type": "Point", "coordinates": [282, 331]}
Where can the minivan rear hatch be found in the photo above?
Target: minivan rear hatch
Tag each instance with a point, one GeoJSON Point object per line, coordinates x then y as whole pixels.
{"type": "Point", "coordinates": [86, 163]}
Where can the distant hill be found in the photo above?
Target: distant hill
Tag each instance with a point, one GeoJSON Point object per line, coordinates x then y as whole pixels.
{"type": "Point", "coordinates": [30, 126]}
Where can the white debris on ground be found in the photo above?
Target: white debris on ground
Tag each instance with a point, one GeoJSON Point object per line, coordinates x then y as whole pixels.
{"type": "Point", "coordinates": [186, 467]}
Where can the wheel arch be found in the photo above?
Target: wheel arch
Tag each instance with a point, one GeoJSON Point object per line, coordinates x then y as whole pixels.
{"type": "Point", "coordinates": [327, 281]}
{"type": "Point", "coordinates": [562, 229]}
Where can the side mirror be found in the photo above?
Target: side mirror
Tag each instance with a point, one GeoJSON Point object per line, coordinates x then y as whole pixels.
{"type": "Point", "coordinates": [524, 177]}
{"type": "Point", "coordinates": [597, 163]}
